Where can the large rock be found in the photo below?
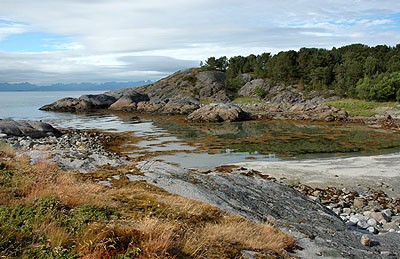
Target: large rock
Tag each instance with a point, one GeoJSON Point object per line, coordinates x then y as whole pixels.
{"type": "Point", "coordinates": [85, 102]}
{"type": "Point", "coordinates": [66, 105]}
{"type": "Point", "coordinates": [123, 104]}
{"type": "Point", "coordinates": [218, 113]}
{"type": "Point", "coordinates": [98, 101]}
{"type": "Point", "coordinates": [33, 129]}
{"type": "Point", "coordinates": [127, 99]}
{"type": "Point", "coordinates": [251, 88]}
{"type": "Point", "coordinates": [209, 77]}
{"type": "Point", "coordinates": [121, 99]}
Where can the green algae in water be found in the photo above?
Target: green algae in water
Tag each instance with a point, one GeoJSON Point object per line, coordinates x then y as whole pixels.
{"type": "Point", "coordinates": [286, 138]}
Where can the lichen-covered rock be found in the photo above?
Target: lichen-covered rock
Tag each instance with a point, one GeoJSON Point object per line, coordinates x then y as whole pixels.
{"type": "Point", "coordinates": [33, 129]}
{"type": "Point", "coordinates": [218, 113]}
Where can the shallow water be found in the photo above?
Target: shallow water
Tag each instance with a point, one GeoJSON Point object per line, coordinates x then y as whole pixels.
{"type": "Point", "coordinates": [200, 145]}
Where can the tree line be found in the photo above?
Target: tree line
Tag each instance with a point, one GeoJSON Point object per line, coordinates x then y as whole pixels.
{"type": "Point", "coordinates": [353, 71]}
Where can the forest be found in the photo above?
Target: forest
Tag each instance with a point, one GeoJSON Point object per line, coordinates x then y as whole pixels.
{"type": "Point", "coordinates": [353, 71]}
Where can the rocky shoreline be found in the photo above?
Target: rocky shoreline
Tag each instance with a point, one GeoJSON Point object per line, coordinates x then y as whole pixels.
{"type": "Point", "coordinates": [326, 222]}
{"type": "Point", "coordinates": [74, 150]}
{"type": "Point", "coordinates": [202, 97]}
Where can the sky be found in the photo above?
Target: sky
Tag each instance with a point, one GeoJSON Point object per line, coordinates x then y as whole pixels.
{"type": "Point", "coordinates": [49, 41]}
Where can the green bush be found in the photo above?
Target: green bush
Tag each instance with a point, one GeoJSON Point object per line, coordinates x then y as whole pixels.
{"type": "Point", "coordinates": [382, 87]}
{"type": "Point", "coordinates": [234, 84]}
{"type": "Point", "coordinates": [260, 92]}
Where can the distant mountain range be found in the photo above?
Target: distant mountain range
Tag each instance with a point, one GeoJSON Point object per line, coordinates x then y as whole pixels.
{"type": "Point", "coordinates": [7, 87]}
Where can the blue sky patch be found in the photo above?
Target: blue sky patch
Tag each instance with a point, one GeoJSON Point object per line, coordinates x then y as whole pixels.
{"type": "Point", "coordinates": [34, 42]}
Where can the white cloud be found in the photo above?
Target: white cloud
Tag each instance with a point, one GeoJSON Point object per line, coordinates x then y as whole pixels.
{"type": "Point", "coordinates": [108, 35]}
{"type": "Point", "coordinates": [10, 28]}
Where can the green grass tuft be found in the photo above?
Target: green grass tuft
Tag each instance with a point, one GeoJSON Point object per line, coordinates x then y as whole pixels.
{"type": "Point", "coordinates": [360, 107]}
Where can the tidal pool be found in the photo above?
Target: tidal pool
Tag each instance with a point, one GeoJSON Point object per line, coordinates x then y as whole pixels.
{"type": "Point", "coordinates": [169, 138]}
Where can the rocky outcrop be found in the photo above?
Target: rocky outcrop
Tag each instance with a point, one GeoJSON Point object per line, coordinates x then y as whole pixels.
{"type": "Point", "coordinates": [255, 88]}
{"type": "Point", "coordinates": [189, 83]}
{"type": "Point", "coordinates": [114, 100]}
{"type": "Point", "coordinates": [280, 94]}
{"type": "Point", "coordinates": [127, 99]}
{"type": "Point", "coordinates": [254, 196]}
{"type": "Point", "coordinates": [218, 113]}
{"type": "Point", "coordinates": [33, 129]}
{"type": "Point", "coordinates": [175, 94]}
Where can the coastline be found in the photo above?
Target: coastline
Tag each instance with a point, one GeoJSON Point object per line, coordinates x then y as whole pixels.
{"type": "Point", "coordinates": [228, 189]}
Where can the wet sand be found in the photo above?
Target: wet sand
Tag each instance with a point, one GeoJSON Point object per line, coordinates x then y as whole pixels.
{"type": "Point", "coordinates": [378, 172]}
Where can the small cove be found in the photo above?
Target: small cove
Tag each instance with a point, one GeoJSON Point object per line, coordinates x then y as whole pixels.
{"type": "Point", "coordinates": [170, 139]}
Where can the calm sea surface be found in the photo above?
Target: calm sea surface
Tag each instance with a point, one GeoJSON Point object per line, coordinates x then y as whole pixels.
{"type": "Point", "coordinates": [202, 145]}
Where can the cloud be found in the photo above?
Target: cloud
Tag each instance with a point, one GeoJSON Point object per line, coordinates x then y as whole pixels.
{"type": "Point", "coordinates": [50, 67]}
{"type": "Point", "coordinates": [109, 38]}
{"type": "Point", "coordinates": [8, 27]}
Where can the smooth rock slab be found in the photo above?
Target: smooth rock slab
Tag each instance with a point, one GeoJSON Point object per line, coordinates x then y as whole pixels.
{"type": "Point", "coordinates": [259, 199]}
{"type": "Point", "coordinates": [33, 129]}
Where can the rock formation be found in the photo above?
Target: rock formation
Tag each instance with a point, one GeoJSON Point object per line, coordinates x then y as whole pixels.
{"type": "Point", "coordinates": [218, 112]}
{"type": "Point", "coordinates": [179, 93]}
{"type": "Point", "coordinates": [33, 129]}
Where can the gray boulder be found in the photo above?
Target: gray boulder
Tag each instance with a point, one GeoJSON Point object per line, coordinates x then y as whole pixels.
{"type": "Point", "coordinates": [98, 101]}
{"type": "Point", "coordinates": [85, 102]}
{"type": "Point", "coordinates": [250, 88]}
{"type": "Point", "coordinates": [33, 129]}
{"type": "Point", "coordinates": [209, 77]}
{"type": "Point", "coordinates": [218, 112]}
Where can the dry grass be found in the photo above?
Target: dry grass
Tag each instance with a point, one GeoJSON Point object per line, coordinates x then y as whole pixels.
{"type": "Point", "coordinates": [57, 236]}
{"type": "Point", "coordinates": [154, 223]}
{"type": "Point", "coordinates": [235, 230]}
{"type": "Point", "coordinates": [44, 179]}
{"type": "Point", "coordinates": [159, 236]}
{"type": "Point", "coordinates": [67, 188]}
{"type": "Point", "coordinates": [6, 150]}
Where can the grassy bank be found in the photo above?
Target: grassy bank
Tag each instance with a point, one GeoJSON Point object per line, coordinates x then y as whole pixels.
{"type": "Point", "coordinates": [360, 107]}
{"type": "Point", "coordinates": [49, 213]}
